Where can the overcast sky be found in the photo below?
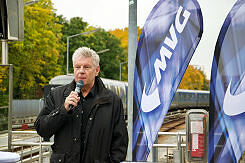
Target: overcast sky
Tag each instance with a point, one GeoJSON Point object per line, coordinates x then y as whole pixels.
{"type": "Point", "coordinates": [112, 14]}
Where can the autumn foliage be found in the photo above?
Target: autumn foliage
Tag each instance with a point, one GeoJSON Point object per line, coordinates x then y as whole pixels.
{"type": "Point", "coordinates": [194, 79]}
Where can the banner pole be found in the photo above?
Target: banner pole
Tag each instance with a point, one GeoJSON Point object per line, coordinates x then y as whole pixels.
{"type": "Point", "coordinates": [132, 46]}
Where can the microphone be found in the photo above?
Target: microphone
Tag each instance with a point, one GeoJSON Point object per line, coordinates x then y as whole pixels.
{"type": "Point", "coordinates": [79, 86]}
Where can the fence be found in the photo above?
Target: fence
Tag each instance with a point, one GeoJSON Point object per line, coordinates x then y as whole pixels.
{"type": "Point", "coordinates": [39, 151]}
{"type": "Point", "coordinates": [32, 151]}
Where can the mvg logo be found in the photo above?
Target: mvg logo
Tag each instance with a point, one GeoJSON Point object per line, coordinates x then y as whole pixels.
{"type": "Point", "coordinates": [152, 101]}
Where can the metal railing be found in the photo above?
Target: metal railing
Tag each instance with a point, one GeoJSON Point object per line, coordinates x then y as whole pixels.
{"type": "Point", "coordinates": [178, 147]}
{"type": "Point", "coordinates": [38, 148]}
{"type": "Point", "coordinates": [30, 154]}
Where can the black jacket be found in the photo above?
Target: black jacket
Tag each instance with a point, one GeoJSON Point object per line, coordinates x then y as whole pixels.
{"type": "Point", "coordinates": [106, 137]}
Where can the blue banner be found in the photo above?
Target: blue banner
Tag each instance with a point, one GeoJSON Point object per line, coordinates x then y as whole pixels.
{"type": "Point", "coordinates": [167, 42]}
{"type": "Point", "coordinates": [227, 90]}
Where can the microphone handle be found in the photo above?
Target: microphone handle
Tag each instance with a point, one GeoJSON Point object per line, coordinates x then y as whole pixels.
{"type": "Point", "coordinates": [77, 90]}
{"type": "Point", "coordinates": [71, 107]}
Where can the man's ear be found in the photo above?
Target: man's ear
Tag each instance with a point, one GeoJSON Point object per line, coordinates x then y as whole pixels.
{"type": "Point", "coordinates": [97, 70]}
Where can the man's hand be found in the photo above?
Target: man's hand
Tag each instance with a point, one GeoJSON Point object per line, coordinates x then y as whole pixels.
{"type": "Point", "coordinates": [72, 99]}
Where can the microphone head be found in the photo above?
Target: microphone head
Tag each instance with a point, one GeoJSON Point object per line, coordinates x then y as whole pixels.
{"type": "Point", "coordinates": [80, 84]}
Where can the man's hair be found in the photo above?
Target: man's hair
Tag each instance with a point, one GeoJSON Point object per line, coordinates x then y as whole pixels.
{"type": "Point", "coordinates": [86, 52]}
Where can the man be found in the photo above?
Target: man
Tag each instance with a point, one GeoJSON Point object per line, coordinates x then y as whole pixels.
{"type": "Point", "coordinates": [94, 130]}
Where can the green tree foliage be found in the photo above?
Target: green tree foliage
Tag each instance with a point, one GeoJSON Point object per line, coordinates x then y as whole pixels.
{"type": "Point", "coordinates": [3, 78]}
{"type": "Point", "coordinates": [122, 35]}
{"type": "Point", "coordinates": [36, 59]}
{"type": "Point", "coordinates": [70, 28]}
{"type": "Point", "coordinates": [98, 41]}
{"type": "Point", "coordinates": [109, 61]}
{"type": "Point", "coordinates": [4, 97]}
{"type": "Point", "coordinates": [4, 75]}
{"type": "Point", "coordinates": [42, 54]}
{"type": "Point", "coordinates": [206, 82]}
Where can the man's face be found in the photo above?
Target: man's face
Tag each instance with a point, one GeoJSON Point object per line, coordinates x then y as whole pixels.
{"type": "Point", "coordinates": [85, 70]}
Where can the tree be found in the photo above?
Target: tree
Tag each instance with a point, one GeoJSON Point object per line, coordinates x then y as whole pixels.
{"type": "Point", "coordinates": [4, 73]}
{"type": "Point", "coordinates": [98, 41]}
{"type": "Point", "coordinates": [109, 61]}
{"type": "Point", "coordinates": [37, 59]}
{"type": "Point", "coordinates": [3, 78]}
{"type": "Point", "coordinates": [194, 79]}
{"type": "Point", "coordinates": [122, 35]}
{"type": "Point", "coordinates": [75, 26]}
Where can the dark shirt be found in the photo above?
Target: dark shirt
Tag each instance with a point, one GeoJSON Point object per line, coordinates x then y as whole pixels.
{"type": "Point", "coordinates": [86, 104]}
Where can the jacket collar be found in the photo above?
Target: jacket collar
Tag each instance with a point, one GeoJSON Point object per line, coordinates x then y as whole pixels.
{"type": "Point", "coordinates": [70, 87]}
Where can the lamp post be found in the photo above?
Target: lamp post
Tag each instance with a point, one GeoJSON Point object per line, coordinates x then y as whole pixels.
{"type": "Point", "coordinates": [31, 2]}
{"type": "Point", "coordinates": [103, 51]}
{"type": "Point", "coordinates": [68, 37]}
{"type": "Point", "coordinates": [121, 69]}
